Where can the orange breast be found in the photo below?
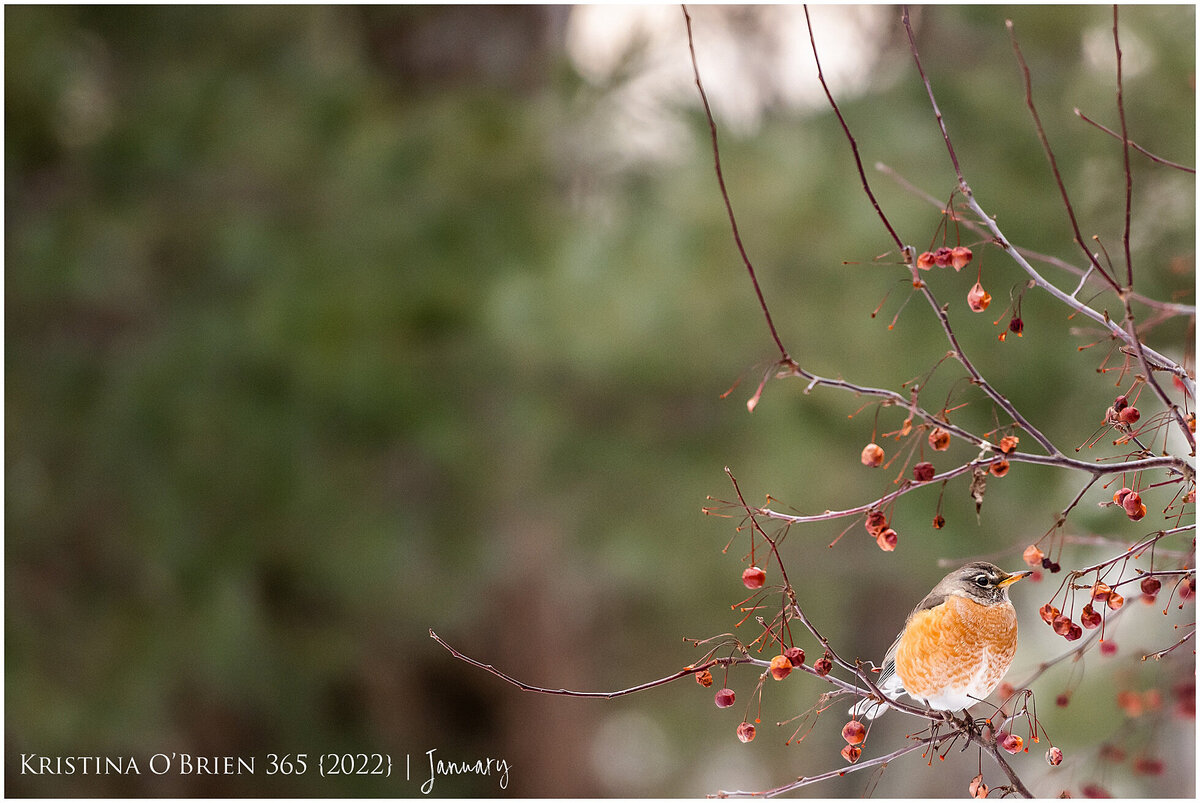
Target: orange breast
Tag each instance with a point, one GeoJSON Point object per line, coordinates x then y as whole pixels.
{"type": "Point", "coordinates": [960, 647]}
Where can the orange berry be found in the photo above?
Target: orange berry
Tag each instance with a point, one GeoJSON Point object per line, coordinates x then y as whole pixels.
{"type": "Point", "coordinates": [1048, 613]}
{"type": "Point", "coordinates": [1120, 494]}
{"type": "Point", "coordinates": [1011, 742]}
{"type": "Point", "coordinates": [1115, 601]}
{"type": "Point", "coordinates": [1032, 555]}
{"type": "Point", "coordinates": [854, 732]}
{"type": "Point", "coordinates": [1089, 618]}
{"type": "Point", "coordinates": [939, 439]}
{"type": "Point", "coordinates": [1008, 444]}
{"type": "Point", "coordinates": [960, 257]}
{"type": "Point", "coordinates": [704, 678]}
{"type": "Point", "coordinates": [999, 468]}
{"type": "Point", "coordinates": [977, 788]}
{"type": "Point", "coordinates": [823, 666]}
{"type": "Point", "coordinates": [887, 540]}
{"type": "Point", "coordinates": [781, 667]}
{"type": "Point", "coordinates": [724, 698]}
{"type": "Point", "coordinates": [876, 522]}
{"type": "Point", "coordinates": [1101, 591]}
{"type": "Point", "coordinates": [1054, 756]}
{"type": "Point", "coordinates": [939, 521]}
{"type": "Point", "coordinates": [978, 298]}
{"type": "Point", "coordinates": [851, 753]}
{"type": "Point", "coordinates": [754, 577]}
{"type": "Point", "coordinates": [1134, 508]}
{"type": "Point", "coordinates": [872, 455]}
{"type": "Point", "coordinates": [745, 732]}
{"type": "Point", "coordinates": [925, 260]}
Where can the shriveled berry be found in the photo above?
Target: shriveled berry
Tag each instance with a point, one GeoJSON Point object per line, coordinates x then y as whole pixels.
{"type": "Point", "coordinates": [876, 522]}
{"type": "Point", "coordinates": [1101, 591]}
{"type": "Point", "coordinates": [854, 732]}
{"type": "Point", "coordinates": [943, 257]}
{"type": "Point", "coordinates": [1115, 601]}
{"type": "Point", "coordinates": [1074, 633]}
{"type": "Point", "coordinates": [851, 753]}
{"type": "Point", "coordinates": [939, 521]}
{"type": "Point", "coordinates": [1134, 508]}
{"type": "Point", "coordinates": [1048, 613]}
{"type": "Point", "coordinates": [977, 789]}
{"type": "Point", "coordinates": [704, 678]}
{"type": "Point", "coordinates": [724, 698]}
{"type": "Point", "coordinates": [781, 667]}
{"type": "Point", "coordinates": [1061, 624]}
{"type": "Point", "coordinates": [1089, 618]}
{"type": "Point", "coordinates": [1119, 496]}
{"type": "Point", "coordinates": [999, 468]}
{"type": "Point", "coordinates": [1032, 555]}
{"type": "Point", "coordinates": [923, 472]}
{"type": "Point", "coordinates": [925, 260]}
{"type": "Point", "coordinates": [1120, 403]}
{"type": "Point", "coordinates": [823, 666]}
{"type": "Point", "coordinates": [1008, 444]}
{"type": "Point", "coordinates": [939, 439]}
{"type": "Point", "coordinates": [978, 299]}
{"type": "Point", "coordinates": [795, 656]}
{"type": "Point", "coordinates": [887, 540]}
{"type": "Point", "coordinates": [754, 577]}
{"type": "Point", "coordinates": [745, 732]}
{"type": "Point", "coordinates": [1054, 756]}
{"type": "Point", "coordinates": [1011, 742]}
{"type": "Point", "coordinates": [872, 455]}
{"type": "Point", "coordinates": [960, 257]}
{"type": "Point", "coordinates": [1016, 326]}
{"type": "Point", "coordinates": [1129, 415]}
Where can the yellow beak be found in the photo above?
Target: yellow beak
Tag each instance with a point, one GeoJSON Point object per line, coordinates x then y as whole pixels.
{"type": "Point", "coordinates": [1012, 578]}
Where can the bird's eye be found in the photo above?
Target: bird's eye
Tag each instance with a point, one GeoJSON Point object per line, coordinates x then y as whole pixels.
{"type": "Point", "coordinates": [983, 581]}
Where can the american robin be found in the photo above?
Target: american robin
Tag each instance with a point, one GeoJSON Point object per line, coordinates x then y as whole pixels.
{"type": "Point", "coordinates": [955, 646]}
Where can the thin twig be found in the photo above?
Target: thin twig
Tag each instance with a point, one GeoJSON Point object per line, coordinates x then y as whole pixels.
{"type": "Point", "coordinates": [1134, 145]}
{"type": "Point", "coordinates": [1125, 153]}
{"type": "Point", "coordinates": [784, 358]}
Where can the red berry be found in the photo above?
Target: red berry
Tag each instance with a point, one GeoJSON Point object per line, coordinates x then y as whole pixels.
{"type": "Point", "coordinates": [1054, 756]}
{"type": "Point", "coordinates": [1061, 624]}
{"type": "Point", "coordinates": [745, 732]}
{"type": "Point", "coordinates": [823, 666]}
{"type": "Point", "coordinates": [960, 257]}
{"type": "Point", "coordinates": [854, 732]}
{"type": "Point", "coordinates": [1048, 613]}
{"type": "Point", "coordinates": [1016, 326]}
{"type": "Point", "coordinates": [1120, 403]}
{"type": "Point", "coordinates": [1115, 601]}
{"type": "Point", "coordinates": [1062, 700]}
{"type": "Point", "coordinates": [1032, 555]}
{"type": "Point", "coordinates": [887, 540]}
{"type": "Point", "coordinates": [851, 753]}
{"type": "Point", "coordinates": [781, 667]}
{"type": "Point", "coordinates": [724, 698]}
{"type": "Point", "coordinates": [999, 468]}
{"type": "Point", "coordinates": [795, 656]}
{"type": "Point", "coordinates": [1150, 586]}
{"type": "Point", "coordinates": [1008, 444]}
{"type": "Point", "coordinates": [1074, 634]}
{"type": "Point", "coordinates": [1129, 415]}
{"type": "Point", "coordinates": [939, 521]}
{"type": "Point", "coordinates": [1101, 591]}
{"type": "Point", "coordinates": [1108, 648]}
{"type": "Point", "coordinates": [1119, 496]}
{"type": "Point", "coordinates": [1089, 618]}
{"type": "Point", "coordinates": [1145, 765]}
{"type": "Point", "coordinates": [943, 257]}
{"type": "Point", "coordinates": [923, 472]}
{"type": "Point", "coordinates": [925, 260]}
{"type": "Point", "coordinates": [1011, 742]}
{"type": "Point", "coordinates": [876, 522]}
{"type": "Point", "coordinates": [754, 577]}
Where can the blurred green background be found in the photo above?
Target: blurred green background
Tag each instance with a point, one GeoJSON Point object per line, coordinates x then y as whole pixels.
{"type": "Point", "coordinates": [326, 326]}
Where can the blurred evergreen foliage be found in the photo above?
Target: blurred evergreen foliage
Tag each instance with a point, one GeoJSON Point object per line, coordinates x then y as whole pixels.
{"type": "Point", "coordinates": [326, 326]}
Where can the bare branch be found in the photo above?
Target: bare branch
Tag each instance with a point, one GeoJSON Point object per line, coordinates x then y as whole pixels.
{"type": "Point", "coordinates": [1135, 146]}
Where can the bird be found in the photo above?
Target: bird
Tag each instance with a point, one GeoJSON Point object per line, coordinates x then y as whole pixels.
{"type": "Point", "coordinates": [955, 646]}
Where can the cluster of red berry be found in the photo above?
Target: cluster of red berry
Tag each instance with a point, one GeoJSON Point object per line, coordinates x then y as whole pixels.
{"type": "Point", "coordinates": [958, 258]}
{"type": "Point", "coordinates": [877, 528]}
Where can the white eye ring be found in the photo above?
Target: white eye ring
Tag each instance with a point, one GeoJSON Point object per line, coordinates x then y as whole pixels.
{"type": "Point", "coordinates": [982, 581]}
